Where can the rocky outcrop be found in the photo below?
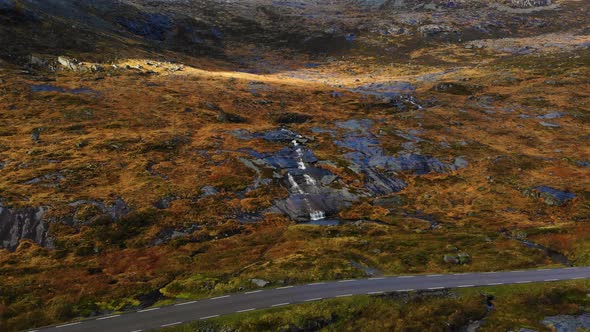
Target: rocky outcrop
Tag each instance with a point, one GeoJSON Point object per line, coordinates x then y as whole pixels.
{"type": "Point", "coordinates": [23, 223]}
{"type": "Point", "coordinates": [369, 158]}
{"type": "Point", "coordinates": [550, 196]}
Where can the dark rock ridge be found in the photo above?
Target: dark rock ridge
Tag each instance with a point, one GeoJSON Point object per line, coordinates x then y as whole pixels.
{"type": "Point", "coordinates": [32, 223]}
{"type": "Point", "coordinates": [23, 223]}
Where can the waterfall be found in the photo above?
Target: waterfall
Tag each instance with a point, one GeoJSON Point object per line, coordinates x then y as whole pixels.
{"type": "Point", "coordinates": [294, 184]}
{"type": "Point", "coordinates": [317, 215]}
{"type": "Point", "coordinates": [314, 215]}
{"type": "Point", "coordinates": [309, 180]}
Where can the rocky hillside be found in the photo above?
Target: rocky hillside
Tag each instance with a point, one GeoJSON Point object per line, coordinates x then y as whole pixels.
{"type": "Point", "coordinates": [156, 150]}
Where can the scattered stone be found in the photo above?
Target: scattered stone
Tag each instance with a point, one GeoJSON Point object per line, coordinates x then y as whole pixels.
{"type": "Point", "coordinates": [549, 124]}
{"type": "Point", "coordinates": [450, 259]}
{"type": "Point", "coordinates": [259, 282]}
{"type": "Point", "coordinates": [552, 115]}
{"type": "Point", "coordinates": [208, 191]}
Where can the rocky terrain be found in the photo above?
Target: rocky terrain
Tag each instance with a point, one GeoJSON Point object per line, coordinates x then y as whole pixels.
{"type": "Point", "coordinates": [157, 150]}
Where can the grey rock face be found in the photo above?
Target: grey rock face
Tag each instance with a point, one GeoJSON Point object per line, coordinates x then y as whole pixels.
{"type": "Point", "coordinates": [25, 223]}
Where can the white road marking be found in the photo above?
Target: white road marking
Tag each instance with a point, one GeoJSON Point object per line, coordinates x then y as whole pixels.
{"type": "Point", "coordinates": [523, 282]}
{"type": "Point", "coordinates": [137, 331]}
{"type": "Point", "coordinates": [108, 317]}
{"type": "Point", "coordinates": [220, 297]}
{"type": "Point", "coordinates": [377, 278]}
{"type": "Point", "coordinates": [314, 299]}
{"type": "Point", "coordinates": [184, 303]}
{"type": "Point", "coordinates": [171, 324]}
{"type": "Point", "coordinates": [577, 278]}
{"type": "Point", "coordinates": [465, 286]}
{"type": "Point", "coordinates": [550, 279]}
{"type": "Point", "coordinates": [406, 277]}
{"type": "Point", "coordinates": [207, 317]}
{"type": "Point", "coordinates": [70, 324]}
{"type": "Point", "coordinates": [378, 292]}
{"type": "Point", "coordinates": [246, 310]}
{"type": "Point", "coordinates": [285, 287]}
{"type": "Point", "coordinates": [279, 304]}
{"type": "Point", "coordinates": [405, 290]}
{"type": "Point", "coordinates": [348, 280]}
{"type": "Point", "coordinates": [252, 292]}
{"type": "Point", "coordinates": [519, 271]}
{"type": "Point", "coordinates": [460, 274]}
{"type": "Point", "coordinates": [490, 272]}
{"type": "Point", "coordinates": [434, 275]}
{"type": "Point", "coordinates": [496, 283]}
{"type": "Point", "coordinates": [316, 283]}
{"type": "Point", "coordinates": [146, 310]}
{"type": "Point", "coordinates": [543, 269]}
{"type": "Point", "coordinates": [344, 295]}
{"type": "Point", "coordinates": [433, 288]}
{"type": "Point", "coordinates": [570, 268]}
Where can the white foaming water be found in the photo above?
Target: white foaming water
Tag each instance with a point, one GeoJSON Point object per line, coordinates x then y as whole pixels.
{"type": "Point", "coordinates": [301, 164]}
{"type": "Point", "coordinates": [317, 215]}
{"type": "Point", "coordinates": [294, 142]}
{"type": "Point", "coordinates": [294, 184]}
{"type": "Point", "coordinates": [309, 180]}
{"type": "Point", "coordinates": [299, 152]}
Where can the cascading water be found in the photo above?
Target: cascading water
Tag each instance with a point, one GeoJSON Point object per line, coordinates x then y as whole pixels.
{"type": "Point", "coordinates": [314, 215]}
{"type": "Point", "coordinates": [317, 215]}
{"type": "Point", "coordinates": [309, 180]}
{"type": "Point", "coordinates": [294, 185]}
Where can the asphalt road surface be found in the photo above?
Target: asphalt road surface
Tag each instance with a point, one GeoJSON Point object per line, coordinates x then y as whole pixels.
{"type": "Point", "coordinates": [158, 317]}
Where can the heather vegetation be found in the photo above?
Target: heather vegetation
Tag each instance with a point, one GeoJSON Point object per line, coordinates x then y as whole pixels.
{"type": "Point", "coordinates": [176, 151]}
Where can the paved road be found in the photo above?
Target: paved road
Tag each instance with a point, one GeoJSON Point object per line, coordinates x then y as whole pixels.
{"type": "Point", "coordinates": [153, 318]}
